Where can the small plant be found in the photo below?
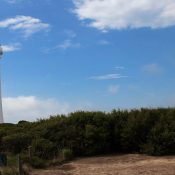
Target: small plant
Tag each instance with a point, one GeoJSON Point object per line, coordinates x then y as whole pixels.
{"type": "Point", "coordinates": [66, 154]}
{"type": "Point", "coordinates": [9, 171]}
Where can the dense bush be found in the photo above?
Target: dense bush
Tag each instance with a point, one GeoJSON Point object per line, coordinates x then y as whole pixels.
{"type": "Point", "coordinates": [150, 131]}
{"type": "Point", "coordinates": [43, 148]}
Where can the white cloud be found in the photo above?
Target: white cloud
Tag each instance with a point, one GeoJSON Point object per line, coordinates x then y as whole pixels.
{"type": "Point", "coordinates": [153, 68]}
{"type": "Point", "coordinates": [113, 89]}
{"type": "Point", "coordinates": [30, 108]}
{"type": "Point", "coordinates": [108, 77]}
{"type": "Point", "coordinates": [26, 24]}
{"type": "Point", "coordinates": [68, 44]}
{"type": "Point", "coordinates": [11, 47]}
{"type": "Point", "coordinates": [122, 14]}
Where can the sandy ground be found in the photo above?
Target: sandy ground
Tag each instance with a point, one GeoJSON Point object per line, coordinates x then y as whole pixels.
{"type": "Point", "coordinates": [115, 165]}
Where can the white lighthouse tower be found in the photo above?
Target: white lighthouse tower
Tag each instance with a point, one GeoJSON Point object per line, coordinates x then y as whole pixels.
{"type": "Point", "coordinates": [1, 112]}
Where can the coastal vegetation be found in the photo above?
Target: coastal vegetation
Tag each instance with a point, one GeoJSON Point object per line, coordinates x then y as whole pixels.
{"type": "Point", "coordinates": [62, 137]}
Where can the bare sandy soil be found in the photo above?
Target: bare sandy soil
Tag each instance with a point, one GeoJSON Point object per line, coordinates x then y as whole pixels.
{"type": "Point", "coordinates": [115, 165]}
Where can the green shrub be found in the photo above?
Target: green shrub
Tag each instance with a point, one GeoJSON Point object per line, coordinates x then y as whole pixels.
{"type": "Point", "coordinates": [36, 162]}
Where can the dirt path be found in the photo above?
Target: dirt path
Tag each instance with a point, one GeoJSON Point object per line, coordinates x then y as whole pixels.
{"type": "Point", "coordinates": [115, 165]}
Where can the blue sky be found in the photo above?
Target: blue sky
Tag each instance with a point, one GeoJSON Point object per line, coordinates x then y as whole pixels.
{"type": "Point", "coordinates": [67, 55]}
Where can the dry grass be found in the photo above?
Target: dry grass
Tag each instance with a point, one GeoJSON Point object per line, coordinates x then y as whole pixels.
{"type": "Point", "coordinates": [115, 165]}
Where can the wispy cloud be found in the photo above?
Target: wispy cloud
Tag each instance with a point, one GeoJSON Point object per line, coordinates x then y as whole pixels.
{"type": "Point", "coordinates": [108, 77]}
{"type": "Point", "coordinates": [121, 14]}
{"type": "Point", "coordinates": [70, 33]}
{"type": "Point", "coordinates": [11, 47]}
{"type": "Point", "coordinates": [12, 1]}
{"type": "Point", "coordinates": [119, 67]}
{"type": "Point", "coordinates": [113, 89]}
{"type": "Point", "coordinates": [68, 44]}
{"type": "Point", "coordinates": [153, 68]}
{"type": "Point", "coordinates": [25, 24]}
{"type": "Point", "coordinates": [104, 42]}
